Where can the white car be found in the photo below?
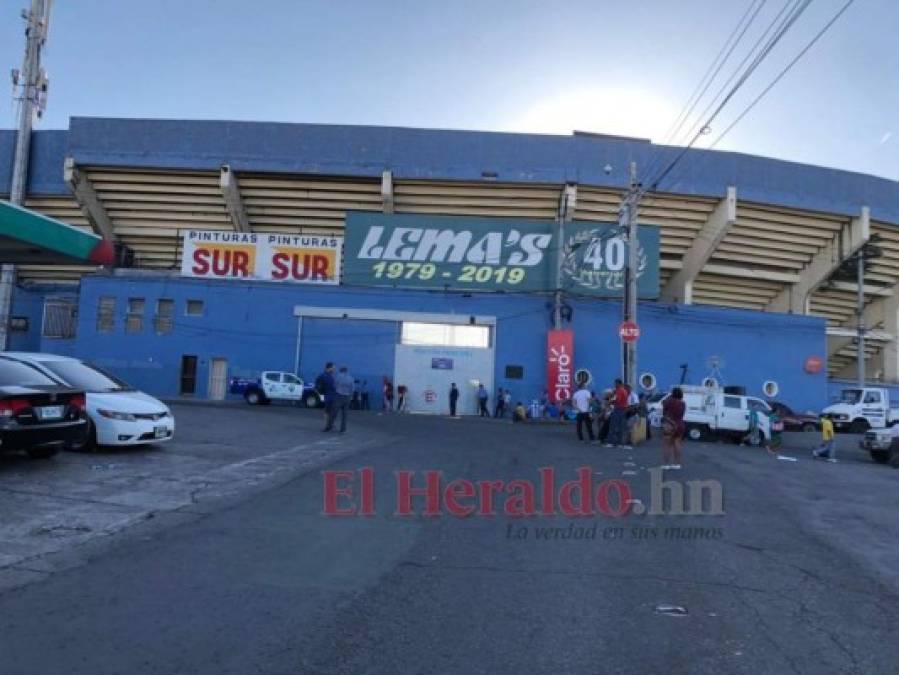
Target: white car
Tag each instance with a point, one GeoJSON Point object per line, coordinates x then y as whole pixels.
{"type": "Point", "coordinates": [118, 414]}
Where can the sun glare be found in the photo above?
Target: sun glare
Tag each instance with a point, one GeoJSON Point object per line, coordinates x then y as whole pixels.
{"type": "Point", "coordinates": [623, 112]}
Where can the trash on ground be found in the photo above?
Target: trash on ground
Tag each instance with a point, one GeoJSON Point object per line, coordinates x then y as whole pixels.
{"type": "Point", "coordinates": [671, 610]}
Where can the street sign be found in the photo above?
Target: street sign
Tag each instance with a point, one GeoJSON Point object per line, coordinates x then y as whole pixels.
{"type": "Point", "coordinates": [628, 331]}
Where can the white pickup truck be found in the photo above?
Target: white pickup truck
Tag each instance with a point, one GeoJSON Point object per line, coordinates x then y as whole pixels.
{"type": "Point", "coordinates": [861, 409]}
{"type": "Point", "coordinates": [883, 444]}
{"type": "Point", "coordinates": [711, 413]}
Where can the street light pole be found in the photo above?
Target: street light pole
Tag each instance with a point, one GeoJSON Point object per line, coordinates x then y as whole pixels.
{"type": "Point", "coordinates": [628, 220]}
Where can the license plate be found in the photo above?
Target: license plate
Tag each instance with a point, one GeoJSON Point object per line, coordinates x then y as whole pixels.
{"type": "Point", "coordinates": [50, 412]}
{"type": "Point", "coordinates": [160, 432]}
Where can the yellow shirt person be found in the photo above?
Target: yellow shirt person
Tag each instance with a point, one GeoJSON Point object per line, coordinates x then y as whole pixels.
{"type": "Point", "coordinates": [826, 429]}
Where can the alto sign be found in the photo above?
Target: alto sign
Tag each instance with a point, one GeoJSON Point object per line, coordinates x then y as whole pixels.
{"type": "Point", "coordinates": [263, 257]}
{"type": "Point", "coordinates": [628, 331]}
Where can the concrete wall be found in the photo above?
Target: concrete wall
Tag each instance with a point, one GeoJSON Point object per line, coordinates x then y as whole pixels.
{"type": "Point", "coordinates": [252, 325]}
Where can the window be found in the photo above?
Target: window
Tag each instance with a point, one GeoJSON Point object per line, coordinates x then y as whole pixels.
{"type": "Point", "coordinates": [757, 405]}
{"type": "Point", "coordinates": [15, 373]}
{"type": "Point", "coordinates": [732, 402]}
{"type": "Point", "coordinates": [291, 379]}
{"type": "Point", "coordinates": [872, 397]}
{"type": "Point", "coordinates": [514, 372]}
{"type": "Point", "coordinates": [272, 377]}
{"type": "Point", "coordinates": [194, 308]}
{"type": "Point", "coordinates": [59, 318]}
{"type": "Point", "coordinates": [106, 314]}
{"type": "Point", "coordinates": [445, 335]}
{"type": "Point", "coordinates": [85, 376]}
{"type": "Point", "coordinates": [165, 312]}
{"type": "Point", "coordinates": [134, 320]}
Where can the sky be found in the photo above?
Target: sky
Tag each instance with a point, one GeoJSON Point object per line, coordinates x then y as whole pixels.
{"type": "Point", "coordinates": [623, 67]}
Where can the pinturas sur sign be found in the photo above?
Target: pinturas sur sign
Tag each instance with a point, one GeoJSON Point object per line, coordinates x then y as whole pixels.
{"type": "Point", "coordinates": [262, 257]}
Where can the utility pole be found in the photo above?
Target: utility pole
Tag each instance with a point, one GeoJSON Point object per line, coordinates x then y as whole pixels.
{"type": "Point", "coordinates": [32, 84]}
{"type": "Point", "coordinates": [560, 234]}
{"type": "Point", "coordinates": [627, 220]}
{"type": "Point", "coordinates": [860, 315]}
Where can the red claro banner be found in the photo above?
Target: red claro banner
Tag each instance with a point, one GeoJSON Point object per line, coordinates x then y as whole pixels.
{"type": "Point", "coordinates": [559, 363]}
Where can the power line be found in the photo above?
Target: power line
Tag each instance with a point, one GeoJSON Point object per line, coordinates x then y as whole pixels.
{"type": "Point", "coordinates": [783, 72]}
{"type": "Point", "coordinates": [797, 11]}
{"type": "Point", "coordinates": [706, 81]}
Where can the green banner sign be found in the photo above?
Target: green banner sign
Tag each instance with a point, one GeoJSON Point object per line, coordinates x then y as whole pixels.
{"type": "Point", "coordinates": [489, 254]}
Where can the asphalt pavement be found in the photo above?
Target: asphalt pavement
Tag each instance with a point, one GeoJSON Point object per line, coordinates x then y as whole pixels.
{"type": "Point", "coordinates": [798, 574]}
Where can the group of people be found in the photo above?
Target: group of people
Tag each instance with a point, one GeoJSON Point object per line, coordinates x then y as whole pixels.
{"type": "Point", "coordinates": [387, 395]}
{"type": "Point", "coordinates": [337, 390]}
{"type": "Point", "coordinates": [616, 414]}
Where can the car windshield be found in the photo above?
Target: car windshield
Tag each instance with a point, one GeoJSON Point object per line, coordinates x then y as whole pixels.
{"type": "Point", "coordinates": [851, 396]}
{"type": "Point", "coordinates": [16, 373]}
{"type": "Point", "coordinates": [85, 376]}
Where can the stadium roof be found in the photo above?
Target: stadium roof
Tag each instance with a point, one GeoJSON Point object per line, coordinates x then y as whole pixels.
{"type": "Point", "coordinates": [438, 155]}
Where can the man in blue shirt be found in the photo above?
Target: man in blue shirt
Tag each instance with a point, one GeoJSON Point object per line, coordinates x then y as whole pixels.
{"type": "Point", "coordinates": [324, 383]}
{"type": "Point", "coordinates": [343, 386]}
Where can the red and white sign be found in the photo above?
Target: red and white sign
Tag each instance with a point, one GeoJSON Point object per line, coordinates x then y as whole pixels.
{"type": "Point", "coordinates": [429, 395]}
{"type": "Point", "coordinates": [559, 364]}
{"type": "Point", "coordinates": [297, 258]}
{"type": "Point", "coordinates": [628, 331]}
{"type": "Point", "coordinates": [814, 364]}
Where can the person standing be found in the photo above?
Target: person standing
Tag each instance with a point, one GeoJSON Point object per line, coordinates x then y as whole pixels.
{"type": "Point", "coordinates": [826, 449]}
{"type": "Point", "coordinates": [343, 387]}
{"type": "Point", "coordinates": [483, 397]}
{"type": "Point", "coordinates": [582, 401]}
{"type": "Point", "coordinates": [673, 429]}
{"type": "Point", "coordinates": [507, 402]}
{"type": "Point", "coordinates": [387, 391]}
{"type": "Point", "coordinates": [618, 418]}
{"type": "Point", "coordinates": [453, 399]}
{"type": "Point", "coordinates": [324, 383]}
{"type": "Point", "coordinates": [364, 394]}
{"type": "Point", "coordinates": [499, 409]}
{"type": "Point", "coordinates": [401, 392]}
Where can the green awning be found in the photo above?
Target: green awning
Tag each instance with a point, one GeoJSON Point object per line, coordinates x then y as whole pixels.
{"type": "Point", "coordinates": [27, 237]}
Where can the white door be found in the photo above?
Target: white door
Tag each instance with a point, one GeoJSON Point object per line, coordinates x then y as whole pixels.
{"type": "Point", "coordinates": [873, 409]}
{"type": "Point", "coordinates": [272, 386]}
{"type": "Point", "coordinates": [218, 379]}
{"type": "Point", "coordinates": [293, 387]}
{"type": "Point", "coordinates": [732, 415]}
{"type": "Point", "coordinates": [428, 373]}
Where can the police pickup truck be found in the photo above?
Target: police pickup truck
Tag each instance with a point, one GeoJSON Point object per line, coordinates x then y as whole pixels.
{"type": "Point", "coordinates": [275, 385]}
{"type": "Point", "coordinates": [861, 409]}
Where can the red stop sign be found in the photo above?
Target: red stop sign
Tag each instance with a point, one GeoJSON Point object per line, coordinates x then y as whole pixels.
{"type": "Point", "coordinates": [628, 331]}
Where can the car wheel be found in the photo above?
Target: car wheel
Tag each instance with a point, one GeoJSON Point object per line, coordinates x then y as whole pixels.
{"type": "Point", "coordinates": [310, 401]}
{"type": "Point", "coordinates": [253, 397]}
{"type": "Point", "coordinates": [808, 427]}
{"type": "Point", "coordinates": [43, 451]}
{"type": "Point", "coordinates": [881, 456]}
{"type": "Point", "coordinates": [696, 433]}
{"type": "Point", "coordinates": [859, 426]}
{"type": "Point", "coordinates": [88, 443]}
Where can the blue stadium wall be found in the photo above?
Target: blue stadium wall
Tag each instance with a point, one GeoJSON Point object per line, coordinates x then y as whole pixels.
{"type": "Point", "coordinates": [253, 327]}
